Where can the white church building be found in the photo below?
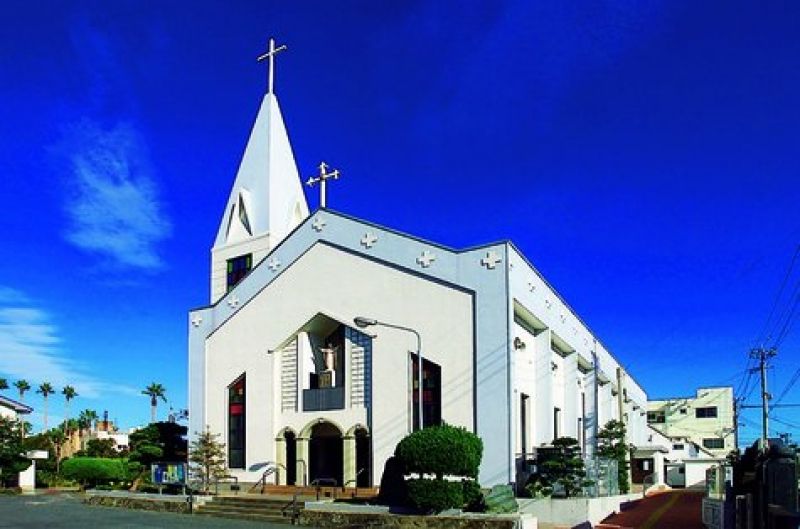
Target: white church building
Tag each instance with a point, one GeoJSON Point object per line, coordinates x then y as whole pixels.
{"type": "Point", "coordinates": [279, 368]}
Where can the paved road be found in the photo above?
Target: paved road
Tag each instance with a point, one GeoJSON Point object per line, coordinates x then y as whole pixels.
{"type": "Point", "coordinates": [678, 509]}
{"type": "Point", "coordinates": [65, 511]}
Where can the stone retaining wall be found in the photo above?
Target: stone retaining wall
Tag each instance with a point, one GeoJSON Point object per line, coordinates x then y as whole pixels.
{"type": "Point", "coordinates": [179, 505]}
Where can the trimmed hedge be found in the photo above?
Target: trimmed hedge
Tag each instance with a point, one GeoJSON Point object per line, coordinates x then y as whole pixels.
{"type": "Point", "coordinates": [473, 496]}
{"type": "Point", "coordinates": [442, 450]}
{"type": "Point", "coordinates": [435, 495]}
{"type": "Point", "coordinates": [94, 470]}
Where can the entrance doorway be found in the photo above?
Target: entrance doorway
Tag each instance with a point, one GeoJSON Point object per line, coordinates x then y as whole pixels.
{"type": "Point", "coordinates": [325, 454]}
{"type": "Point", "coordinates": [290, 441]}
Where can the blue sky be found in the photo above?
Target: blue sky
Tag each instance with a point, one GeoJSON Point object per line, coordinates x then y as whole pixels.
{"type": "Point", "coordinates": [642, 155]}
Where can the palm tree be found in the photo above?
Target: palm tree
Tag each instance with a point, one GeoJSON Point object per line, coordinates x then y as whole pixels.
{"type": "Point", "coordinates": [86, 418]}
{"type": "Point", "coordinates": [69, 394]}
{"type": "Point", "coordinates": [3, 384]}
{"type": "Point", "coordinates": [22, 386]}
{"type": "Point", "coordinates": [154, 391]}
{"type": "Point", "coordinates": [45, 390]}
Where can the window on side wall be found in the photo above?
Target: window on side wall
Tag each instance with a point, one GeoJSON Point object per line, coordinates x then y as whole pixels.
{"type": "Point", "coordinates": [714, 443]}
{"type": "Point", "coordinates": [709, 412]}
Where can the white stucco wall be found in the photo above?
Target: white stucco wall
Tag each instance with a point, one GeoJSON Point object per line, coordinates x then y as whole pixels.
{"type": "Point", "coordinates": [342, 286]}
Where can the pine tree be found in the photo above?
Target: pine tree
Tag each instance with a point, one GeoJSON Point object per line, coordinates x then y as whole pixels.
{"type": "Point", "coordinates": [611, 445]}
{"type": "Point", "coordinates": [208, 454]}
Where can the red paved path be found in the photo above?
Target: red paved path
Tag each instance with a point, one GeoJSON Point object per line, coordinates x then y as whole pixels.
{"type": "Point", "coordinates": [678, 509]}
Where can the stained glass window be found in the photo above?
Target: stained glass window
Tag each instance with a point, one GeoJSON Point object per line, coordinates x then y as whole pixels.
{"type": "Point", "coordinates": [238, 267]}
{"type": "Point", "coordinates": [236, 423]}
{"type": "Point", "coordinates": [431, 392]}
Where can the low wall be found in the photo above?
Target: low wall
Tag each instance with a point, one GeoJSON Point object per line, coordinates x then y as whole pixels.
{"type": "Point", "coordinates": [145, 502]}
{"type": "Point", "coordinates": [574, 511]}
{"type": "Point", "coordinates": [338, 515]}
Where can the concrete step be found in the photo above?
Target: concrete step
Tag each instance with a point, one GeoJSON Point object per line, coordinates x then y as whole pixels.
{"type": "Point", "coordinates": [255, 503]}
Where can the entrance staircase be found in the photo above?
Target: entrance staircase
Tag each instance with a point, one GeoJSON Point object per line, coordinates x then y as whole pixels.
{"type": "Point", "coordinates": [253, 508]}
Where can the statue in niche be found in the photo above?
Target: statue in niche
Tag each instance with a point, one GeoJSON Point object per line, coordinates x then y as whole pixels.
{"type": "Point", "coordinates": [327, 379]}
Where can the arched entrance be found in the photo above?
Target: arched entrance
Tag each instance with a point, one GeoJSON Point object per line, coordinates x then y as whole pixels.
{"type": "Point", "coordinates": [363, 459]}
{"type": "Point", "coordinates": [325, 453]}
{"type": "Point", "coordinates": [290, 442]}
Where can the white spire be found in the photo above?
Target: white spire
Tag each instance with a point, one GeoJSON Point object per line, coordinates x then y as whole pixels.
{"type": "Point", "coordinates": [267, 196]}
{"type": "Point", "coordinates": [267, 200]}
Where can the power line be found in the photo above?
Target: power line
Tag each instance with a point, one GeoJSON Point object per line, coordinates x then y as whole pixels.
{"type": "Point", "coordinates": [763, 335]}
{"type": "Point", "coordinates": [791, 383]}
{"type": "Point", "coordinates": [787, 324]}
{"type": "Point", "coordinates": [786, 423]}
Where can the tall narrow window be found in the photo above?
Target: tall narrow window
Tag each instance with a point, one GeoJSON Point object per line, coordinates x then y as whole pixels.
{"type": "Point", "coordinates": [431, 392]}
{"type": "Point", "coordinates": [236, 423]}
{"type": "Point", "coordinates": [556, 421]}
{"type": "Point", "coordinates": [238, 267]}
{"type": "Point", "coordinates": [523, 421]}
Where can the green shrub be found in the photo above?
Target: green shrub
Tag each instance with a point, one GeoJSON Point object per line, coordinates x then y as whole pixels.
{"type": "Point", "coordinates": [93, 470]}
{"type": "Point", "coordinates": [473, 497]}
{"type": "Point", "coordinates": [441, 450]}
{"type": "Point", "coordinates": [435, 495]}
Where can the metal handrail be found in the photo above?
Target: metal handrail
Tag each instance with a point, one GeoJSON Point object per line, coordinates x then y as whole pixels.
{"type": "Point", "coordinates": [217, 480]}
{"type": "Point", "coordinates": [263, 479]}
{"type": "Point", "coordinates": [295, 512]}
{"type": "Point", "coordinates": [354, 480]}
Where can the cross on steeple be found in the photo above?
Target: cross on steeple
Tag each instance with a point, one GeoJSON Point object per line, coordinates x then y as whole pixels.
{"type": "Point", "coordinates": [324, 175]}
{"type": "Point", "coordinates": [270, 54]}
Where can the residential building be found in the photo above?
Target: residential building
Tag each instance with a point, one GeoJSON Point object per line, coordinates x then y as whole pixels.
{"type": "Point", "coordinates": [15, 410]}
{"type": "Point", "coordinates": [706, 419]}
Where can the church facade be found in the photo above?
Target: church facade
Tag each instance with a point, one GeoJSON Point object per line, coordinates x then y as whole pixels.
{"type": "Point", "coordinates": [279, 366]}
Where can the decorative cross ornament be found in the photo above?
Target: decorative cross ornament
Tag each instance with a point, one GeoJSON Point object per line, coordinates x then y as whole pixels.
{"type": "Point", "coordinates": [491, 260]}
{"type": "Point", "coordinates": [368, 240]}
{"type": "Point", "coordinates": [323, 176]}
{"type": "Point", "coordinates": [270, 55]}
{"type": "Point", "coordinates": [233, 302]}
{"type": "Point", "coordinates": [197, 320]}
{"type": "Point", "coordinates": [426, 259]}
{"type": "Point", "coordinates": [273, 264]}
{"type": "Point", "coordinates": [318, 224]}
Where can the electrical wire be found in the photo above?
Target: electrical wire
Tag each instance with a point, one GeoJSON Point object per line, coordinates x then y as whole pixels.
{"type": "Point", "coordinates": [788, 387]}
{"type": "Point", "coordinates": [764, 335]}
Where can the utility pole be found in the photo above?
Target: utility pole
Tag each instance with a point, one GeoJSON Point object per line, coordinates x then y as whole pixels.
{"type": "Point", "coordinates": [736, 424]}
{"type": "Point", "coordinates": [762, 355]}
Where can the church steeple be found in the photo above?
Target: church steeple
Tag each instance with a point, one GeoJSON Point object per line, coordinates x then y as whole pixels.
{"type": "Point", "coordinates": [266, 201]}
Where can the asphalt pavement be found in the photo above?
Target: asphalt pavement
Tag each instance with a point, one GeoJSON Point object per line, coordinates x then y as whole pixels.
{"type": "Point", "coordinates": [66, 511]}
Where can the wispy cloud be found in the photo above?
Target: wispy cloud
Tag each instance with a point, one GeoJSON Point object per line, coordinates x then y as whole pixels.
{"type": "Point", "coordinates": [112, 201]}
{"type": "Point", "coordinates": [114, 206]}
{"type": "Point", "coordinates": [32, 349]}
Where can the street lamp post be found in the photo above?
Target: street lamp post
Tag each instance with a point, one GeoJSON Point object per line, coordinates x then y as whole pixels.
{"type": "Point", "coordinates": [363, 323]}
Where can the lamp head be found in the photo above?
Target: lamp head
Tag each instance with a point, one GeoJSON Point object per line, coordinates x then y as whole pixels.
{"type": "Point", "coordinates": [363, 322]}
